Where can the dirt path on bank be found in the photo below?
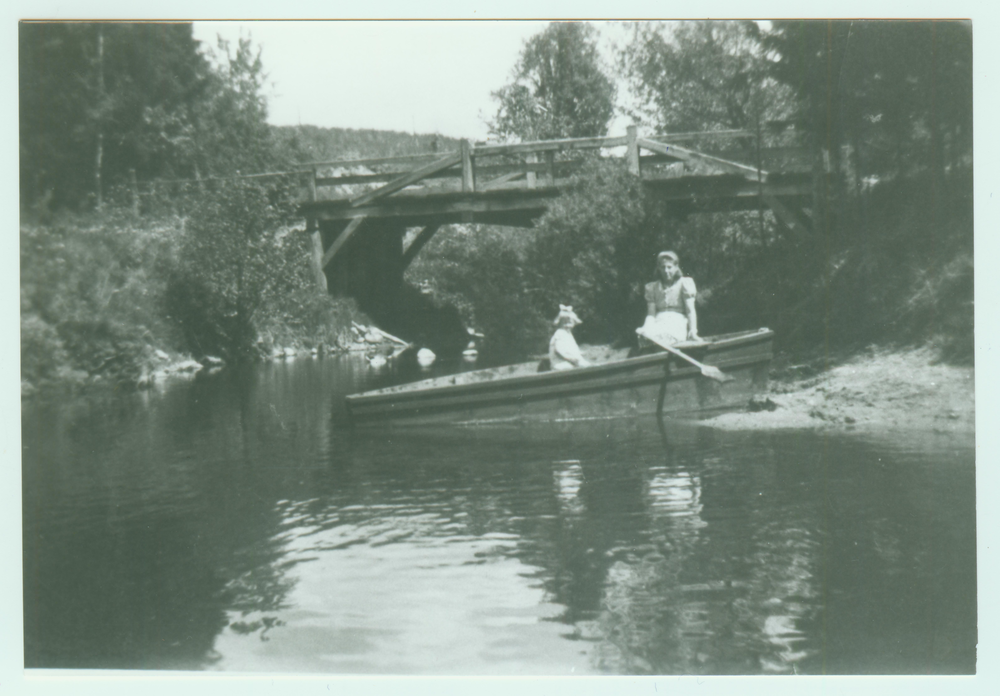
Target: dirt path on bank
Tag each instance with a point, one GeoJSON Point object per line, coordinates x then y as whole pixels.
{"type": "Point", "coordinates": [877, 390]}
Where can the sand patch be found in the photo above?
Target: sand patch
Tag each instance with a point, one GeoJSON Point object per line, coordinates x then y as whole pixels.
{"type": "Point", "coordinates": [876, 390]}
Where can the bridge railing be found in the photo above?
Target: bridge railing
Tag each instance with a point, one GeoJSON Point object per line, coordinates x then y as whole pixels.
{"type": "Point", "coordinates": [474, 167]}
{"type": "Point", "coordinates": [479, 167]}
{"type": "Point", "coordinates": [482, 167]}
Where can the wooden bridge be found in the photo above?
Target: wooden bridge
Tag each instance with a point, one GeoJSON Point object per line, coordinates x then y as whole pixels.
{"type": "Point", "coordinates": [359, 212]}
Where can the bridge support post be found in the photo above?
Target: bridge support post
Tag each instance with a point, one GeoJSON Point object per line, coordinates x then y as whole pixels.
{"type": "Point", "coordinates": [468, 173]}
{"type": "Point", "coordinates": [317, 253]}
{"type": "Point", "coordinates": [315, 237]}
{"type": "Point", "coordinates": [632, 150]}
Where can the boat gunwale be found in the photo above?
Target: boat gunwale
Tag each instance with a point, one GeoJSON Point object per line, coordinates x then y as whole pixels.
{"type": "Point", "coordinates": [504, 383]}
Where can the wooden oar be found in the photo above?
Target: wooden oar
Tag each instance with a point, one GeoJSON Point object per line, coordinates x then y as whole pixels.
{"type": "Point", "coordinates": [709, 371]}
{"type": "Point", "coordinates": [380, 332]}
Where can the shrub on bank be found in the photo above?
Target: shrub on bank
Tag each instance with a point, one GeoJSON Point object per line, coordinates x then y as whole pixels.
{"type": "Point", "coordinates": [103, 296]}
{"type": "Point", "coordinates": [237, 257]}
{"type": "Point", "coordinates": [480, 270]}
{"type": "Point", "coordinates": [90, 296]}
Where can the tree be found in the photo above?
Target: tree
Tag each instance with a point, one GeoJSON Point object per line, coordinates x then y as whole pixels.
{"type": "Point", "coordinates": [239, 259]}
{"type": "Point", "coordinates": [559, 89]}
{"type": "Point", "coordinates": [897, 94]}
{"type": "Point", "coordinates": [701, 76]}
{"type": "Point", "coordinates": [480, 270]}
{"type": "Point", "coordinates": [104, 97]}
{"type": "Point", "coordinates": [231, 133]}
{"type": "Point", "coordinates": [101, 100]}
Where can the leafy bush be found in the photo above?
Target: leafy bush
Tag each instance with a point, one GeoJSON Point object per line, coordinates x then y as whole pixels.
{"type": "Point", "coordinates": [480, 270]}
{"type": "Point", "coordinates": [309, 318]}
{"type": "Point", "coordinates": [241, 265]}
{"type": "Point", "coordinates": [100, 293]}
{"type": "Point", "coordinates": [42, 351]}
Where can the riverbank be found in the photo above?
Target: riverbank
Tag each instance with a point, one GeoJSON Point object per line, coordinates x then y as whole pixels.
{"type": "Point", "coordinates": [156, 367]}
{"type": "Point", "coordinates": [877, 390]}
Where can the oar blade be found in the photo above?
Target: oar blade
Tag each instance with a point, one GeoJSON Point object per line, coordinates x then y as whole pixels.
{"type": "Point", "coordinates": [716, 374]}
{"type": "Point", "coordinates": [707, 370]}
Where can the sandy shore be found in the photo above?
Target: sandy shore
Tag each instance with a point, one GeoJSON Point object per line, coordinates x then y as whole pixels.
{"type": "Point", "coordinates": [877, 390]}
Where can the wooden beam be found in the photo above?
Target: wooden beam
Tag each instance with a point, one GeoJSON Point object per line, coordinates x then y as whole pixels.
{"type": "Point", "coordinates": [682, 153]}
{"type": "Point", "coordinates": [418, 243]}
{"type": "Point", "coordinates": [368, 161]}
{"type": "Point", "coordinates": [316, 238]}
{"type": "Point", "coordinates": [804, 217]}
{"type": "Point", "coordinates": [693, 135]}
{"type": "Point", "coordinates": [419, 206]}
{"type": "Point", "coordinates": [407, 179]}
{"type": "Point", "coordinates": [416, 211]}
{"type": "Point", "coordinates": [375, 178]}
{"type": "Point", "coordinates": [317, 256]}
{"type": "Point", "coordinates": [632, 151]}
{"type": "Point", "coordinates": [357, 179]}
{"type": "Point", "coordinates": [545, 145]}
{"type": "Point", "coordinates": [341, 240]}
{"type": "Point", "coordinates": [468, 175]}
{"type": "Point", "coordinates": [786, 216]}
{"type": "Point", "coordinates": [525, 167]}
{"type": "Point", "coordinates": [480, 172]}
{"type": "Point", "coordinates": [499, 181]}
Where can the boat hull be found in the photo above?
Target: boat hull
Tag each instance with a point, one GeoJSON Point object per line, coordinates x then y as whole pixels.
{"type": "Point", "coordinates": [657, 383]}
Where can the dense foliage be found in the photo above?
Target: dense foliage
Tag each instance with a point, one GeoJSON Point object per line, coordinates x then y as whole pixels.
{"type": "Point", "coordinates": [106, 104]}
{"type": "Point", "coordinates": [480, 270]}
{"type": "Point", "coordinates": [315, 144]}
{"type": "Point", "coordinates": [106, 296]}
{"type": "Point", "coordinates": [701, 76]}
{"type": "Point", "coordinates": [239, 257]}
{"type": "Point", "coordinates": [93, 100]}
{"type": "Point", "coordinates": [91, 292]}
{"type": "Point", "coordinates": [888, 107]}
{"type": "Point", "coordinates": [593, 247]}
{"type": "Point", "coordinates": [893, 97]}
{"type": "Point", "coordinates": [111, 116]}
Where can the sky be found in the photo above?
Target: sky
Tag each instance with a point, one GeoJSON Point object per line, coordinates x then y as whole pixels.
{"type": "Point", "coordinates": [409, 76]}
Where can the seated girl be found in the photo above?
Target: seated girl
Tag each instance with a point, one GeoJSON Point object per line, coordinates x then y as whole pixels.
{"type": "Point", "coordinates": [564, 353]}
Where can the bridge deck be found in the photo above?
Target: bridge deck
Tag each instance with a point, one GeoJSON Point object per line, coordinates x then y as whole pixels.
{"type": "Point", "coordinates": [518, 204]}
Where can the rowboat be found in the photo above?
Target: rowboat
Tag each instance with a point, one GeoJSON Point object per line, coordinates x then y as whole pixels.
{"type": "Point", "coordinates": [658, 383]}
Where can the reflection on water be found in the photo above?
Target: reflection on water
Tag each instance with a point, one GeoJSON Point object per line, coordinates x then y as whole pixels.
{"type": "Point", "coordinates": [236, 523]}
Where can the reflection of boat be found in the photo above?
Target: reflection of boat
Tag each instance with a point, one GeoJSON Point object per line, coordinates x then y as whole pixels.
{"type": "Point", "coordinates": [659, 382]}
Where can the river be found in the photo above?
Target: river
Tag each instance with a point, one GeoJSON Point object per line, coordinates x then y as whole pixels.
{"type": "Point", "coordinates": [237, 523]}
